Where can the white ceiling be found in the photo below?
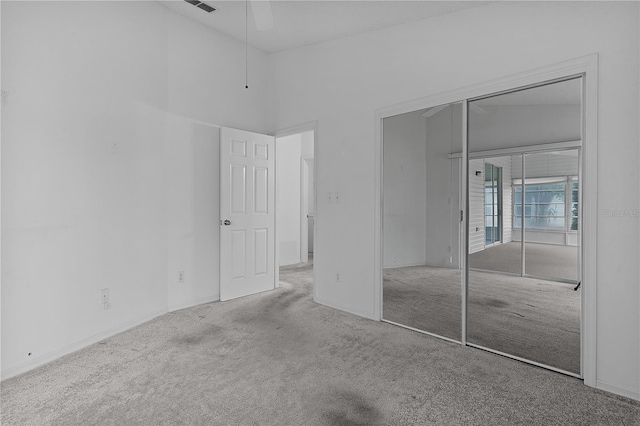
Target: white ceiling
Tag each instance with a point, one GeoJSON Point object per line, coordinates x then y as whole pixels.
{"type": "Point", "coordinates": [304, 22]}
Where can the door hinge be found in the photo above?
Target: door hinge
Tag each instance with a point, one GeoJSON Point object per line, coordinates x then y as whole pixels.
{"type": "Point", "coordinates": [461, 216]}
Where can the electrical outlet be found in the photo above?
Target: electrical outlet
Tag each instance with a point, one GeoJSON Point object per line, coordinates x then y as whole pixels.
{"type": "Point", "coordinates": [337, 277]}
{"type": "Point", "coordinates": [104, 298]}
{"type": "Point", "coordinates": [180, 276]}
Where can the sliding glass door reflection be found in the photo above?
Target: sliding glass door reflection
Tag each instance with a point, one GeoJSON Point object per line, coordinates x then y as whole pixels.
{"type": "Point", "coordinates": [492, 204]}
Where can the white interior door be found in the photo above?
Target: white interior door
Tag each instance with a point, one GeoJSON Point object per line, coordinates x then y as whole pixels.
{"type": "Point", "coordinates": [247, 216]}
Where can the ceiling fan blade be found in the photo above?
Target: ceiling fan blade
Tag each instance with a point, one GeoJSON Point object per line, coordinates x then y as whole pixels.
{"type": "Point", "coordinates": [433, 111]}
{"type": "Point", "coordinates": [262, 14]}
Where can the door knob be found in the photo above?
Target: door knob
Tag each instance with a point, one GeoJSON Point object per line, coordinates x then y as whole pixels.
{"type": "Point", "coordinates": [227, 222]}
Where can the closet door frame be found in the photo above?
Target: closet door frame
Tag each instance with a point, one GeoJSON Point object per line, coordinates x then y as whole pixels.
{"type": "Point", "coordinates": [587, 67]}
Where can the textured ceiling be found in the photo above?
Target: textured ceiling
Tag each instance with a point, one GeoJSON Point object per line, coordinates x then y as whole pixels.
{"type": "Point", "coordinates": [304, 22]}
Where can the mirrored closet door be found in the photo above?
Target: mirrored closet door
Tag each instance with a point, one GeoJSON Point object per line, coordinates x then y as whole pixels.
{"type": "Point", "coordinates": [506, 280]}
{"type": "Point", "coordinates": [524, 224]}
{"type": "Point", "coordinates": [422, 246]}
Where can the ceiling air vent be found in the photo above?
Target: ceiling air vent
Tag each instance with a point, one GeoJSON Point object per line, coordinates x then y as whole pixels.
{"type": "Point", "coordinates": [201, 5]}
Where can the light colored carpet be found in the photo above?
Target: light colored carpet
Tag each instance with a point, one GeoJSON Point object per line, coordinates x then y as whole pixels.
{"type": "Point", "coordinates": [277, 358]}
{"type": "Point", "coordinates": [530, 318]}
{"type": "Point", "coordinates": [429, 299]}
{"type": "Point", "coordinates": [543, 260]}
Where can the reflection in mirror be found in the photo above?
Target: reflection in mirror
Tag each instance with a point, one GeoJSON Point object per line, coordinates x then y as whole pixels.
{"type": "Point", "coordinates": [422, 247]}
{"type": "Point", "coordinates": [521, 299]}
{"type": "Point", "coordinates": [550, 215]}
{"type": "Point", "coordinates": [492, 246]}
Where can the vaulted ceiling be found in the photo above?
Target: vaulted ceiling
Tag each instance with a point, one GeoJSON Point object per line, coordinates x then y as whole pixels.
{"type": "Point", "coordinates": [305, 22]}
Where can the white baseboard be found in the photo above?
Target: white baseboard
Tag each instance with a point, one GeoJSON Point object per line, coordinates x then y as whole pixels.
{"type": "Point", "coordinates": [192, 303]}
{"type": "Point", "coordinates": [348, 309]}
{"type": "Point", "coordinates": [58, 353]}
{"type": "Point", "coordinates": [618, 390]}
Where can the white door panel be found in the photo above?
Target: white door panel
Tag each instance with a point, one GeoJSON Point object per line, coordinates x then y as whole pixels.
{"type": "Point", "coordinates": [247, 192]}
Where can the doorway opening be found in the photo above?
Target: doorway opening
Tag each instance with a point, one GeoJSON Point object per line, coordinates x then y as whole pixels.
{"type": "Point", "coordinates": [295, 206]}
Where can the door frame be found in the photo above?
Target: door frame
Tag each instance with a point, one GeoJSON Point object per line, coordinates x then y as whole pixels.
{"type": "Point", "coordinates": [288, 131]}
{"type": "Point", "coordinates": [586, 66]}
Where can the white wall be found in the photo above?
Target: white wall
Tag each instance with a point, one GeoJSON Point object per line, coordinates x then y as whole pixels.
{"type": "Point", "coordinates": [341, 84]}
{"type": "Point", "coordinates": [107, 179]}
{"type": "Point", "coordinates": [476, 206]}
{"type": "Point", "coordinates": [206, 77]}
{"type": "Point", "coordinates": [288, 153]}
{"type": "Point", "coordinates": [443, 137]}
{"type": "Point", "coordinates": [203, 86]}
{"type": "Point", "coordinates": [82, 175]}
{"type": "Point", "coordinates": [405, 189]}
{"type": "Point", "coordinates": [193, 212]}
{"type": "Point", "coordinates": [307, 139]}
